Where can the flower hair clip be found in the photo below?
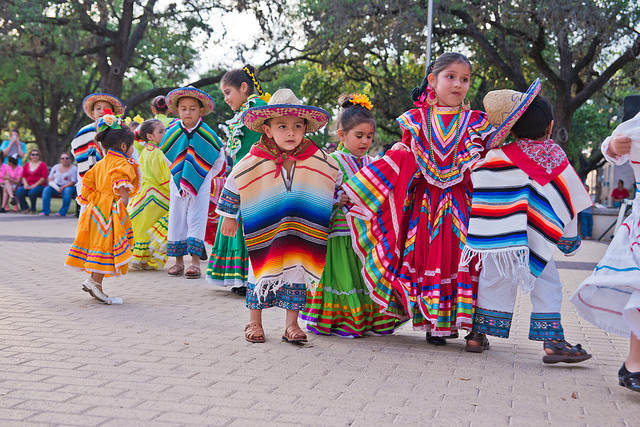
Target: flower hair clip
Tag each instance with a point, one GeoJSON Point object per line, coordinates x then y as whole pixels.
{"type": "Point", "coordinates": [109, 120]}
{"type": "Point", "coordinates": [361, 100]}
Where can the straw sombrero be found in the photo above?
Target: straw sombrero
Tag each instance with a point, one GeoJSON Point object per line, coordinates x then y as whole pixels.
{"type": "Point", "coordinates": [191, 92]}
{"type": "Point", "coordinates": [116, 105]}
{"type": "Point", "coordinates": [505, 107]}
{"type": "Point", "coordinates": [285, 103]}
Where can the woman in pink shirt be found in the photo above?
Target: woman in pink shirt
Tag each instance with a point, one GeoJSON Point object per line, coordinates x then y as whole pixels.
{"type": "Point", "coordinates": [34, 177]}
{"type": "Point", "coordinates": [10, 176]}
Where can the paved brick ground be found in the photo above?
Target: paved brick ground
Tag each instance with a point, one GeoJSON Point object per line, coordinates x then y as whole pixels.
{"type": "Point", "coordinates": [174, 354]}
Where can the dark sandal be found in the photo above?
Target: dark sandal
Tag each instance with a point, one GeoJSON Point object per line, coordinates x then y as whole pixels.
{"type": "Point", "coordinates": [253, 332]}
{"type": "Point", "coordinates": [290, 334]}
{"type": "Point", "coordinates": [477, 337]}
{"type": "Point", "coordinates": [564, 352]}
{"type": "Point", "coordinates": [630, 380]}
{"type": "Point", "coordinates": [193, 272]}
{"type": "Point", "coordinates": [176, 270]}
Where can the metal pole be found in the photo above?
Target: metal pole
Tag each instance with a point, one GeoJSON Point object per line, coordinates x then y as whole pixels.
{"type": "Point", "coordinates": [430, 27]}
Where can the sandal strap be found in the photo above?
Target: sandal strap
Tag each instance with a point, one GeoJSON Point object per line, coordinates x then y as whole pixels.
{"type": "Point", "coordinates": [295, 334]}
{"type": "Point", "coordinates": [563, 348]}
{"type": "Point", "coordinates": [254, 330]}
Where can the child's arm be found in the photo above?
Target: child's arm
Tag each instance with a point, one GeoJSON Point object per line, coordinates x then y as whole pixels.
{"type": "Point", "coordinates": [229, 207]}
{"type": "Point", "coordinates": [619, 145]}
{"type": "Point", "coordinates": [229, 226]}
{"type": "Point", "coordinates": [124, 195]}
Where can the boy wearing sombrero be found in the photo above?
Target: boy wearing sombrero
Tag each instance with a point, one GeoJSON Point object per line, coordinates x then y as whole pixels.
{"type": "Point", "coordinates": [193, 151]}
{"type": "Point", "coordinates": [526, 198]}
{"type": "Point", "coordinates": [84, 148]}
{"type": "Point", "coordinates": [284, 190]}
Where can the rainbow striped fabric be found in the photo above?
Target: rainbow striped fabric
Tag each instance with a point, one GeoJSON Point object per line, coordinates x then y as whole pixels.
{"type": "Point", "coordinates": [517, 220]}
{"type": "Point", "coordinates": [286, 225]}
{"type": "Point", "coordinates": [85, 149]}
{"type": "Point", "coordinates": [349, 165]}
{"type": "Point", "coordinates": [191, 154]}
{"type": "Point", "coordinates": [445, 172]}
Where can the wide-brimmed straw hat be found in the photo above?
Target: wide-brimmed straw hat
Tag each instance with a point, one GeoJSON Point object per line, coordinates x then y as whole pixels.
{"type": "Point", "coordinates": [116, 105]}
{"type": "Point", "coordinates": [505, 107]}
{"type": "Point", "coordinates": [190, 92]}
{"type": "Point", "coordinates": [285, 103]}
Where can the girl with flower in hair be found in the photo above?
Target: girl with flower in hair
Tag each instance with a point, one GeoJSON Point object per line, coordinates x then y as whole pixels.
{"type": "Point", "coordinates": [341, 304]}
{"type": "Point", "coordinates": [104, 239]}
{"type": "Point", "coordinates": [229, 261]}
{"type": "Point", "coordinates": [411, 211]}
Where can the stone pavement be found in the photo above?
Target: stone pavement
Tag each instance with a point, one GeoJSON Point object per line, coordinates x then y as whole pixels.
{"type": "Point", "coordinates": [174, 354]}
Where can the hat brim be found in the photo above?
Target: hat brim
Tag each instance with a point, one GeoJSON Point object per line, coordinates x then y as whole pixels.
{"type": "Point", "coordinates": [90, 100]}
{"type": "Point", "coordinates": [174, 96]}
{"type": "Point", "coordinates": [504, 129]}
{"type": "Point", "coordinates": [255, 117]}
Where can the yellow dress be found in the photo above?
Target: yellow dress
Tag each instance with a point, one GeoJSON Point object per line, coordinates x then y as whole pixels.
{"type": "Point", "coordinates": [149, 206]}
{"type": "Point", "coordinates": [104, 239]}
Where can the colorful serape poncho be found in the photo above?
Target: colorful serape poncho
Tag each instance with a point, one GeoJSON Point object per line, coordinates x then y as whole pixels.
{"type": "Point", "coordinates": [85, 149]}
{"type": "Point", "coordinates": [349, 165]}
{"type": "Point", "coordinates": [191, 154]}
{"type": "Point", "coordinates": [523, 201]}
{"type": "Point", "coordinates": [285, 225]}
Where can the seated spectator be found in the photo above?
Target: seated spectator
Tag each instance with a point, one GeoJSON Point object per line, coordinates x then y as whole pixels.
{"type": "Point", "coordinates": [13, 146]}
{"type": "Point", "coordinates": [619, 194]}
{"type": "Point", "coordinates": [62, 182]}
{"type": "Point", "coordinates": [34, 178]}
{"type": "Point", "coordinates": [10, 176]}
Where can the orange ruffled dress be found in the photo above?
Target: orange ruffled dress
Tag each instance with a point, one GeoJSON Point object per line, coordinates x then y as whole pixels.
{"type": "Point", "coordinates": [104, 239]}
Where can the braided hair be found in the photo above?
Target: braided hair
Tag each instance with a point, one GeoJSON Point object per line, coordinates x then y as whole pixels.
{"type": "Point", "coordinates": [246, 74]}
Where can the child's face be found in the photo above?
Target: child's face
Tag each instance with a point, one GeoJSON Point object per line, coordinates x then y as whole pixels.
{"type": "Point", "coordinates": [287, 132]}
{"type": "Point", "coordinates": [358, 139]}
{"type": "Point", "coordinates": [233, 96]}
{"type": "Point", "coordinates": [158, 133]}
{"type": "Point", "coordinates": [99, 107]}
{"type": "Point", "coordinates": [451, 84]}
{"type": "Point", "coordinates": [189, 111]}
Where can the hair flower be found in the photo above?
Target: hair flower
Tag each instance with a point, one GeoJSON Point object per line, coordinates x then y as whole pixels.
{"type": "Point", "coordinates": [362, 100]}
{"type": "Point", "coordinates": [127, 120]}
{"type": "Point", "coordinates": [109, 121]}
{"type": "Point", "coordinates": [266, 97]}
{"type": "Point", "coordinates": [139, 120]}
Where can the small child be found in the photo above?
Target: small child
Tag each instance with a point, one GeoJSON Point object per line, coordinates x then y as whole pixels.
{"type": "Point", "coordinates": [526, 197]}
{"type": "Point", "coordinates": [341, 304]}
{"type": "Point", "coordinates": [196, 155]}
{"type": "Point", "coordinates": [229, 261]}
{"type": "Point", "coordinates": [152, 201]}
{"type": "Point", "coordinates": [104, 239]}
{"type": "Point", "coordinates": [610, 297]}
{"type": "Point", "coordinates": [284, 190]}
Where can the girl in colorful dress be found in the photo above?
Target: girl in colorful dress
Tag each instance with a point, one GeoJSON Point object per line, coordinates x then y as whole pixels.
{"type": "Point", "coordinates": [411, 208]}
{"type": "Point", "coordinates": [104, 239]}
{"type": "Point", "coordinates": [196, 155]}
{"type": "Point", "coordinates": [284, 188]}
{"type": "Point", "coordinates": [610, 297]}
{"type": "Point", "coordinates": [341, 304]}
{"type": "Point", "coordinates": [229, 261]}
{"type": "Point", "coordinates": [152, 201]}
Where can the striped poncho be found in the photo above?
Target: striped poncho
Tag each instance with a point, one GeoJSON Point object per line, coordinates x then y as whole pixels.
{"type": "Point", "coordinates": [524, 198]}
{"type": "Point", "coordinates": [191, 153]}
{"type": "Point", "coordinates": [286, 225]}
{"type": "Point", "coordinates": [85, 149]}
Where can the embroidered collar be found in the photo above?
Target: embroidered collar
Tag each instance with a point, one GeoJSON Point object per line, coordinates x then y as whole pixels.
{"type": "Point", "coordinates": [234, 126]}
{"type": "Point", "coordinates": [267, 148]}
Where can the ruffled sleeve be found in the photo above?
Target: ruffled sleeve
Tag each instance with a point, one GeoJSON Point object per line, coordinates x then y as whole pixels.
{"type": "Point", "coordinates": [126, 174]}
{"type": "Point", "coordinates": [88, 191]}
{"type": "Point", "coordinates": [479, 129]}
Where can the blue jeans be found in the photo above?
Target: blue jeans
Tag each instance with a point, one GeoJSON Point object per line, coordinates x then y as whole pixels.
{"type": "Point", "coordinates": [67, 194]}
{"type": "Point", "coordinates": [586, 224]}
{"type": "Point", "coordinates": [34, 193]}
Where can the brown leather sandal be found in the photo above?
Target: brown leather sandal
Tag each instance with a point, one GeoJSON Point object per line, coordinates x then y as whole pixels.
{"type": "Point", "coordinates": [176, 270]}
{"type": "Point", "coordinates": [253, 332]}
{"type": "Point", "coordinates": [294, 334]}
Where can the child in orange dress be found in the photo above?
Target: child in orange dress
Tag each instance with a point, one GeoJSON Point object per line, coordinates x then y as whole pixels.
{"type": "Point", "coordinates": [104, 239]}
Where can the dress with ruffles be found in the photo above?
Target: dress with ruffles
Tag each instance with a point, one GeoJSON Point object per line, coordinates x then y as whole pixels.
{"type": "Point", "coordinates": [410, 219]}
{"type": "Point", "coordinates": [104, 238]}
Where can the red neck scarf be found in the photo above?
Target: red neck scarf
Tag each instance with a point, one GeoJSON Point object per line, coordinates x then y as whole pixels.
{"type": "Point", "coordinates": [267, 148]}
{"type": "Point", "coordinates": [541, 160]}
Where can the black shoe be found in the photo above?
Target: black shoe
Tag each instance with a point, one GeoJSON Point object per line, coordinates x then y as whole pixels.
{"type": "Point", "coordinates": [630, 380]}
{"type": "Point", "coordinates": [440, 340]}
{"type": "Point", "coordinates": [240, 290]}
{"type": "Point", "coordinates": [203, 255]}
{"type": "Point", "coordinates": [3, 210]}
{"type": "Point", "coordinates": [13, 201]}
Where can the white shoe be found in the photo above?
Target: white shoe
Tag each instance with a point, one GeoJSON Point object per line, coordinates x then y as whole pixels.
{"type": "Point", "coordinates": [90, 286]}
